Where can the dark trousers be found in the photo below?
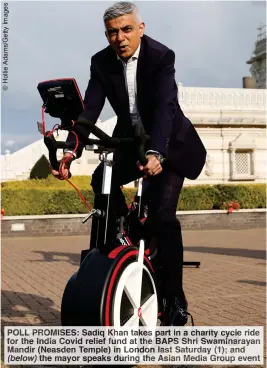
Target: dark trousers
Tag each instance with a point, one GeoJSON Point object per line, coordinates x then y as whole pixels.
{"type": "Point", "coordinates": [161, 223]}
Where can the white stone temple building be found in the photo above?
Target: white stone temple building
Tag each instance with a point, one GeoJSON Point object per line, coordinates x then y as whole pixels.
{"type": "Point", "coordinates": [230, 122]}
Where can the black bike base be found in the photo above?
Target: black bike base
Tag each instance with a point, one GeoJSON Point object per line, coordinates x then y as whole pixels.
{"type": "Point", "coordinates": [194, 264]}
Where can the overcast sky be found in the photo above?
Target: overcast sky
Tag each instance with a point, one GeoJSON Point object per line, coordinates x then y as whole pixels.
{"type": "Point", "coordinates": [212, 42]}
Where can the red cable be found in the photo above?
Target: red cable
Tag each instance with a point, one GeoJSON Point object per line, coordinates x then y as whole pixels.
{"type": "Point", "coordinates": [66, 159]}
{"type": "Point", "coordinates": [80, 194]}
{"type": "Point", "coordinates": [43, 125]}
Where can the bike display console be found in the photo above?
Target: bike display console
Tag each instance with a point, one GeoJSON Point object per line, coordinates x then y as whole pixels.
{"type": "Point", "coordinates": [61, 98]}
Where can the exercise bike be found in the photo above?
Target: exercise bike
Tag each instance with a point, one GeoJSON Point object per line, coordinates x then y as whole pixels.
{"type": "Point", "coordinates": [115, 284]}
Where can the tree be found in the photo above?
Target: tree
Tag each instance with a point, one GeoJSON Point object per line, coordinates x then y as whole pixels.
{"type": "Point", "coordinates": [41, 169]}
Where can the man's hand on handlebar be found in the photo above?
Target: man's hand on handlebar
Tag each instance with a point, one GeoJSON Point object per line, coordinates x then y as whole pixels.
{"type": "Point", "coordinates": [153, 166]}
{"type": "Point", "coordinates": [64, 168]}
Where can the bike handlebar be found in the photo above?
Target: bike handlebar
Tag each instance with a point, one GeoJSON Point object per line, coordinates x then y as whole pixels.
{"type": "Point", "coordinates": [104, 140]}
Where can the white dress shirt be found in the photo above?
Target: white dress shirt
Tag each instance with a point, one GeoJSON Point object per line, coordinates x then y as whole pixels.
{"type": "Point", "coordinates": [130, 68]}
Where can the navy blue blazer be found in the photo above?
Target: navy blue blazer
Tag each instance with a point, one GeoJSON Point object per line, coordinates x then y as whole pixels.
{"type": "Point", "coordinates": [172, 134]}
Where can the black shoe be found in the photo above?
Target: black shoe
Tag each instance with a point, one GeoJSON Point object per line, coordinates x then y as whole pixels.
{"type": "Point", "coordinates": [175, 312]}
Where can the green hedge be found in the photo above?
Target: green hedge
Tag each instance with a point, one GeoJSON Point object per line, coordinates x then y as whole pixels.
{"type": "Point", "coordinates": [209, 197]}
{"type": "Point", "coordinates": [51, 196]}
{"type": "Point", "coordinates": [82, 182]}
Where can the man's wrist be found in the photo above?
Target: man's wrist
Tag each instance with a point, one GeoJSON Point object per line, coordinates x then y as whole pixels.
{"type": "Point", "coordinates": [71, 152]}
{"type": "Point", "coordinates": [159, 156]}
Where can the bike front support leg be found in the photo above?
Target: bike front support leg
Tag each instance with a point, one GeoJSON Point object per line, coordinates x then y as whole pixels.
{"type": "Point", "coordinates": [103, 227]}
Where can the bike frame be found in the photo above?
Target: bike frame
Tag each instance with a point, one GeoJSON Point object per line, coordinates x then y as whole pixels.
{"type": "Point", "coordinates": [102, 230]}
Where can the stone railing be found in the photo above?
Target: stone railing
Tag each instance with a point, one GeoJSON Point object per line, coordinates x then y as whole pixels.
{"type": "Point", "coordinates": [67, 225]}
{"type": "Point", "coordinates": [230, 99]}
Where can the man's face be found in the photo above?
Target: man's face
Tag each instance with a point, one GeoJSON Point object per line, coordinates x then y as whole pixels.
{"type": "Point", "coordinates": [124, 34]}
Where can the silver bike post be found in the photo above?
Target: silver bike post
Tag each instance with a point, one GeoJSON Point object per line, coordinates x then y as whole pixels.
{"type": "Point", "coordinates": [139, 194]}
{"type": "Point", "coordinates": [106, 184]}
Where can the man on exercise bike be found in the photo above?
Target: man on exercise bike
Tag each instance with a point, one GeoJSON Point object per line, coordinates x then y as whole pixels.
{"type": "Point", "coordinates": [137, 75]}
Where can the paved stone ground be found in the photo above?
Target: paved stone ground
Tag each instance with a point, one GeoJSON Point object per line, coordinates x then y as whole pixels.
{"type": "Point", "coordinates": [229, 288]}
